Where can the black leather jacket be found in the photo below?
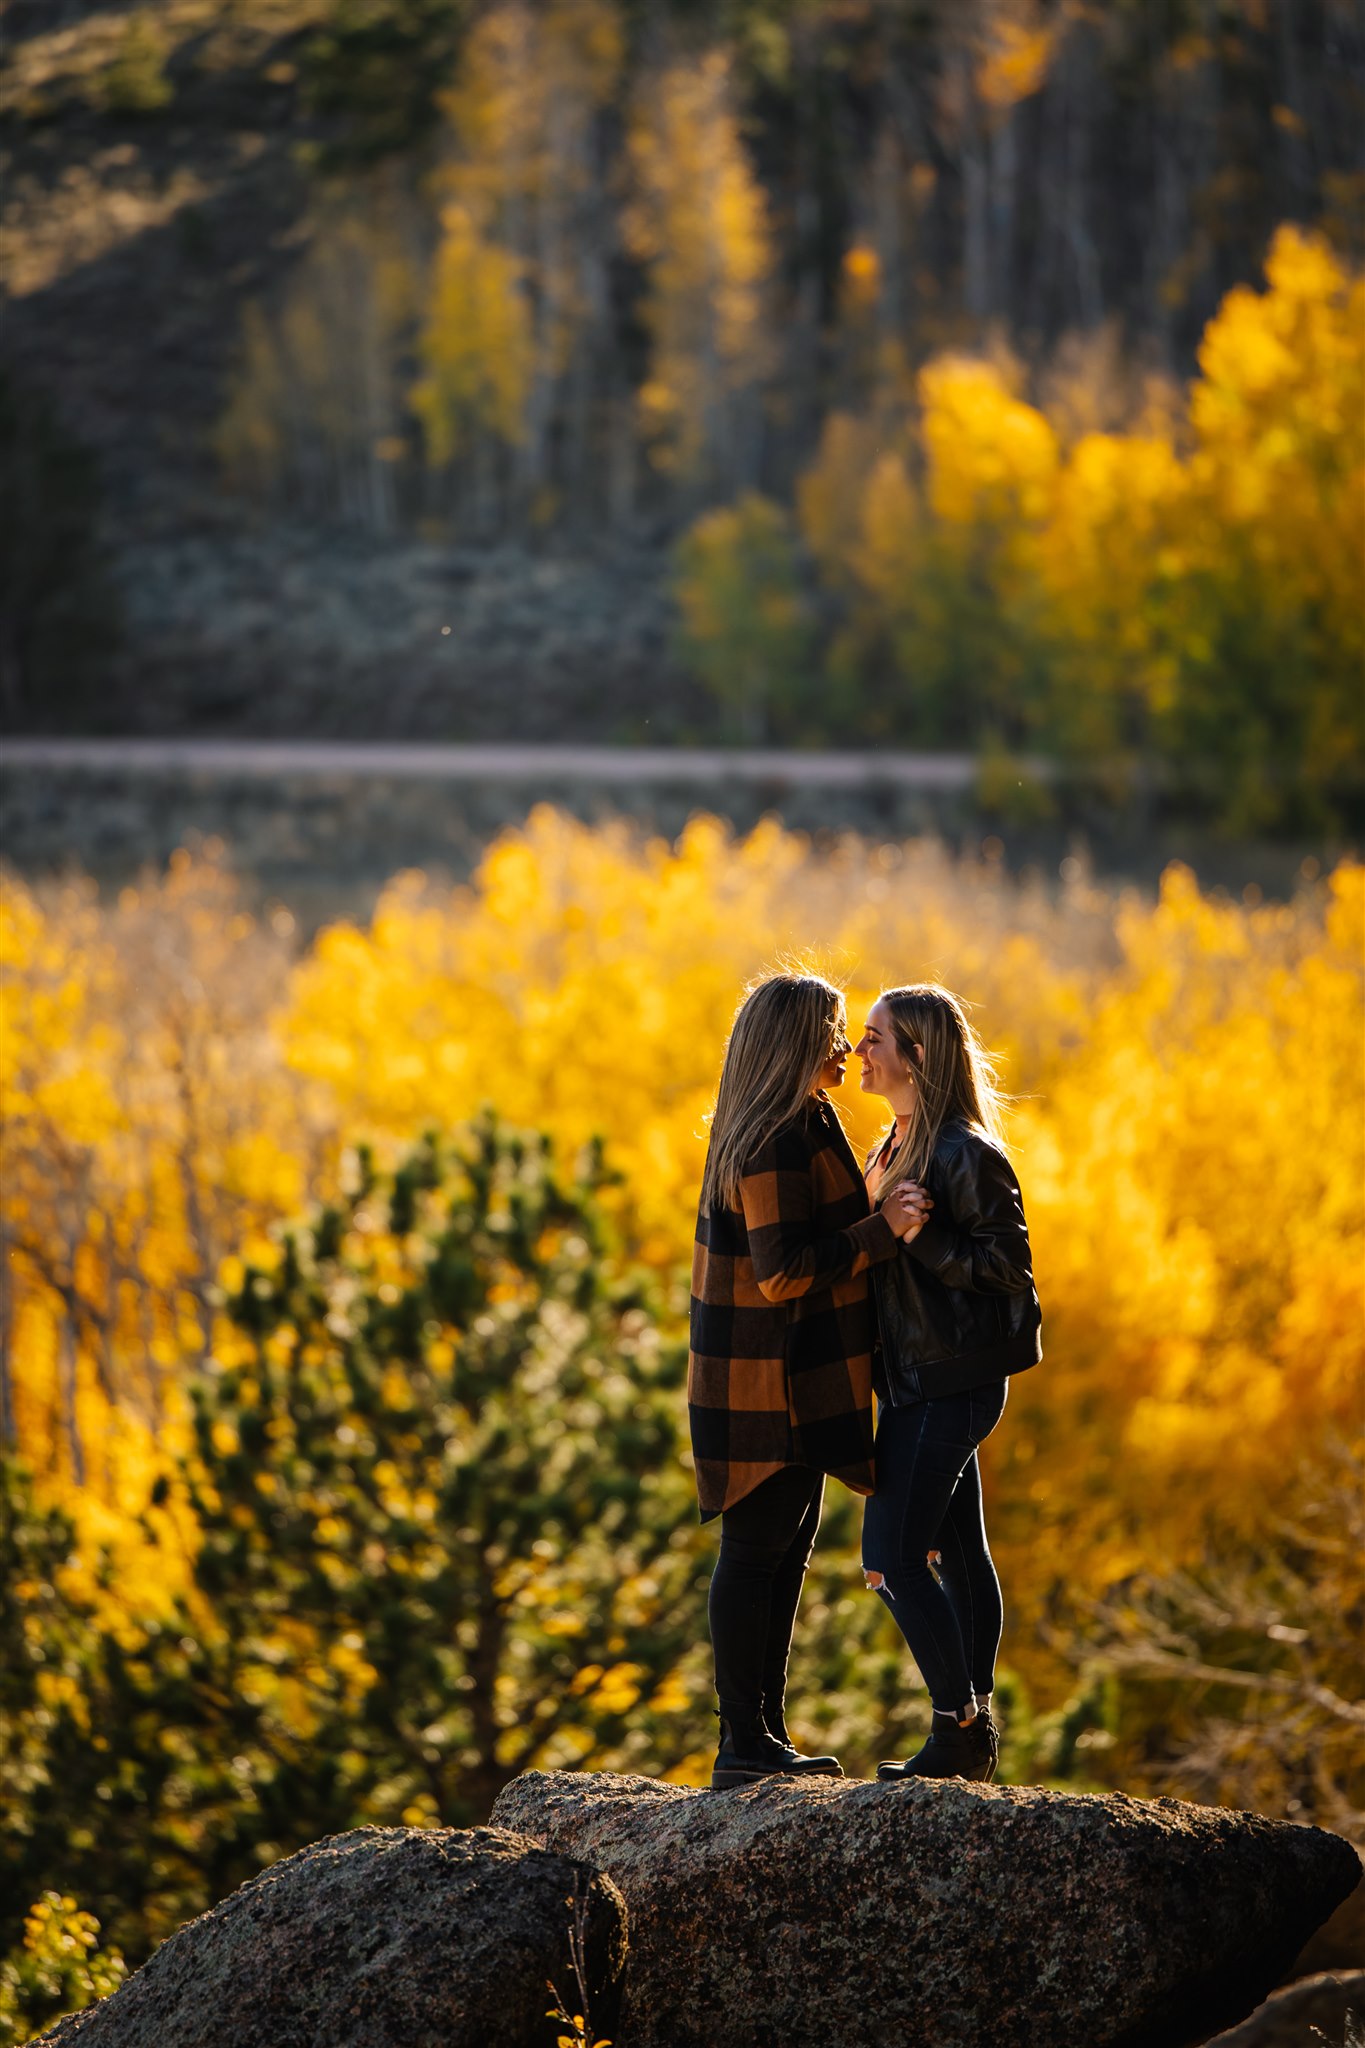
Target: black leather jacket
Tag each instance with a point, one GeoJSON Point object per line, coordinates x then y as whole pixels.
{"type": "Point", "coordinates": [957, 1307]}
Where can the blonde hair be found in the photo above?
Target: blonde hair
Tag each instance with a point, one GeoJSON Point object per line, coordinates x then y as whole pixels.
{"type": "Point", "coordinates": [784, 1032]}
{"type": "Point", "coordinates": [955, 1078]}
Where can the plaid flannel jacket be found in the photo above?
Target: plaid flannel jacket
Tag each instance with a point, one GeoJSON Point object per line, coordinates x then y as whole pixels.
{"type": "Point", "coordinates": [780, 1364]}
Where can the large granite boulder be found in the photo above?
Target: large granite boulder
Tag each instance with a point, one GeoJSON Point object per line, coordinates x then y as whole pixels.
{"type": "Point", "coordinates": [936, 1914]}
{"type": "Point", "coordinates": [386, 1937]}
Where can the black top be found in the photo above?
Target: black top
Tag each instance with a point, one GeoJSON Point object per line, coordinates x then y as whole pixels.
{"type": "Point", "coordinates": [957, 1306]}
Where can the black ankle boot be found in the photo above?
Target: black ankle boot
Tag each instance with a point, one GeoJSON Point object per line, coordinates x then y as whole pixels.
{"type": "Point", "coordinates": [775, 1721]}
{"type": "Point", "coordinates": [993, 1735]}
{"type": "Point", "coordinates": [748, 1752]}
{"type": "Point", "coordinates": [952, 1751]}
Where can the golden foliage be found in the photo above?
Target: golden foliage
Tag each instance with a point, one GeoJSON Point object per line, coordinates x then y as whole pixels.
{"type": "Point", "coordinates": [528, 80]}
{"type": "Point", "coordinates": [1184, 571]}
{"type": "Point", "coordinates": [321, 400]}
{"type": "Point", "coordinates": [1275, 501]}
{"type": "Point", "coordinates": [150, 1130]}
{"type": "Point", "coordinates": [698, 217]}
{"type": "Point", "coordinates": [746, 626]}
{"type": "Point", "coordinates": [476, 343]}
{"type": "Point", "coordinates": [508, 295]}
{"type": "Point", "coordinates": [59, 1969]}
{"type": "Point", "coordinates": [1187, 1130]}
{"type": "Point", "coordinates": [1015, 63]}
{"type": "Point", "coordinates": [316, 401]}
{"type": "Point", "coordinates": [829, 495]}
{"type": "Point", "coordinates": [990, 459]}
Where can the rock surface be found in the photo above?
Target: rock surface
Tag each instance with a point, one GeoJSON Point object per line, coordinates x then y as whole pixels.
{"type": "Point", "coordinates": [936, 1914]}
{"type": "Point", "coordinates": [390, 1937]}
{"type": "Point", "coordinates": [1333, 2002]}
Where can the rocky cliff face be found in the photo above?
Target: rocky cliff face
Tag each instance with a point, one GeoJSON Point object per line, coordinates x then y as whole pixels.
{"type": "Point", "coordinates": [936, 1914]}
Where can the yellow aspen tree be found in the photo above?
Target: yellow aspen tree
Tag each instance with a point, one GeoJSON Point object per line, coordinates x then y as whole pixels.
{"type": "Point", "coordinates": [829, 493]}
{"type": "Point", "coordinates": [1016, 47]}
{"type": "Point", "coordinates": [995, 54]}
{"type": "Point", "coordinates": [171, 1086]}
{"type": "Point", "coordinates": [527, 172]}
{"type": "Point", "coordinates": [879, 317]}
{"type": "Point", "coordinates": [1106, 539]}
{"type": "Point", "coordinates": [698, 218]}
{"type": "Point", "coordinates": [943, 554]}
{"type": "Point", "coordinates": [891, 558]}
{"type": "Point", "coordinates": [149, 1130]}
{"type": "Point", "coordinates": [1014, 50]}
{"type": "Point", "coordinates": [250, 437]}
{"type": "Point", "coordinates": [746, 625]}
{"type": "Point", "coordinates": [861, 296]}
{"type": "Point", "coordinates": [1269, 625]}
{"type": "Point", "coordinates": [315, 413]}
{"type": "Point", "coordinates": [990, 458]}
{"type": "Point", "coordinates": [475, 342]}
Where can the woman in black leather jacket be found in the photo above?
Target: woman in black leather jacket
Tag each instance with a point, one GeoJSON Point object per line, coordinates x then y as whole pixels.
{"type": "Point", "coordinates": [957, 1314]}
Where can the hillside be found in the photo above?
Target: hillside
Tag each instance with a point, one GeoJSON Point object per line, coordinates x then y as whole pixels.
{"type": "Point", "coordinates": [326, 422]}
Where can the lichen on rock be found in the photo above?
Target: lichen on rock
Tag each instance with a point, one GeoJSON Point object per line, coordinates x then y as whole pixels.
{"type": "Point", "coordinates": [390, 1937]}
{"type": "Point", "coordinates": [936, 1914]}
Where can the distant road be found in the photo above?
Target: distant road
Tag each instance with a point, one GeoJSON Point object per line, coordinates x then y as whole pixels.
{"type": "Point", "coordinates": [420, 762]}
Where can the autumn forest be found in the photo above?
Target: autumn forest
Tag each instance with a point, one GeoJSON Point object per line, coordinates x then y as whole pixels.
{"type": "Point", "coordinates": [985, 377]}
{"type": "Point", "coordinates": [981, 381]}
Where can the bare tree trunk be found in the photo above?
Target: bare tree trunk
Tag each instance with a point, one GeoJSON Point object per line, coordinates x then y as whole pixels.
{"type": "Point", "coordinates": [1042, 294]}
{"type": "Point", "coordinates": [485, 483]}
{"type": "Point", "coordinates": [621, 456]}
{"type": "Point", "coordinates": [1163, 240]}
{"type": "Point", "coordinates": [1208, 95]}
{"type": "Point", "coordinates": [1296, 134]}
{"type": "Point", "coordinates": [802, 344]}
{"type": "Point", "coordinates": [976, 239]}
{"type": "Point", "coordinates": [890, 233]}
{"type": "Point", "coordinates": [66, 1383]}
{"type": "Point", "coordinates": [370, 485]}
{"type": "Point", "coordinates": [912, 142]}
{"type": "Point", "coordinates": [1004, 170]}
{"type": "Point", "coordinates": [591, 345]}
{"type": "Point", "coordinates": [1085, 262]}
{"type": "Point", "coordinates": [547, 237]}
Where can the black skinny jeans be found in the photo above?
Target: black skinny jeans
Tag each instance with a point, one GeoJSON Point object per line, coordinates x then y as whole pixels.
{"type": "Point", "coordinates": [765, 1544]}
{"type": "Point", "coordinates": [928, 1497]}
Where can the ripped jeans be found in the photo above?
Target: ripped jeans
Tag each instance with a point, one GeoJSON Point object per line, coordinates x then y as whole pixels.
{"type": "Point", "coordinates": [928, 1497]}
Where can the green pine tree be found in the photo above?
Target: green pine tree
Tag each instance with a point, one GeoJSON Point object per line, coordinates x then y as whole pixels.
{"type": "Point", "coordinates": [441, 1531]}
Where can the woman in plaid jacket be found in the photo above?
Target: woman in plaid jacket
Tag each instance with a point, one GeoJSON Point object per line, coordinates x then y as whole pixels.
{"type": "Point", "coordinates": [780, 1367]}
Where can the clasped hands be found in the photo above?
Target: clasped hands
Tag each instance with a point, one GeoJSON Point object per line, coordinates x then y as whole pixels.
{"type": "Point", "coordinates": [906, 1209]}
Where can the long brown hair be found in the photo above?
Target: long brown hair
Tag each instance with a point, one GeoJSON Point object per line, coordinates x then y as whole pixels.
{"type": "Point", "coordinates": [955, 1078]}
{"type": "Point", "coordinates": [784, 1031]}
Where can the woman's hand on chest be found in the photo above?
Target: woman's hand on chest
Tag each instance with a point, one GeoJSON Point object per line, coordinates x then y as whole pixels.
{"type": "Point", "coordinates": [907, 1209]}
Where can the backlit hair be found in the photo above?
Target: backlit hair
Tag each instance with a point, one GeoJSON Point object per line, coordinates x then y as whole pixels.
{"type": "Point", "coordinates": [955, 1079]}
{"type": "Point", "coordinates": [784, 1033]}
